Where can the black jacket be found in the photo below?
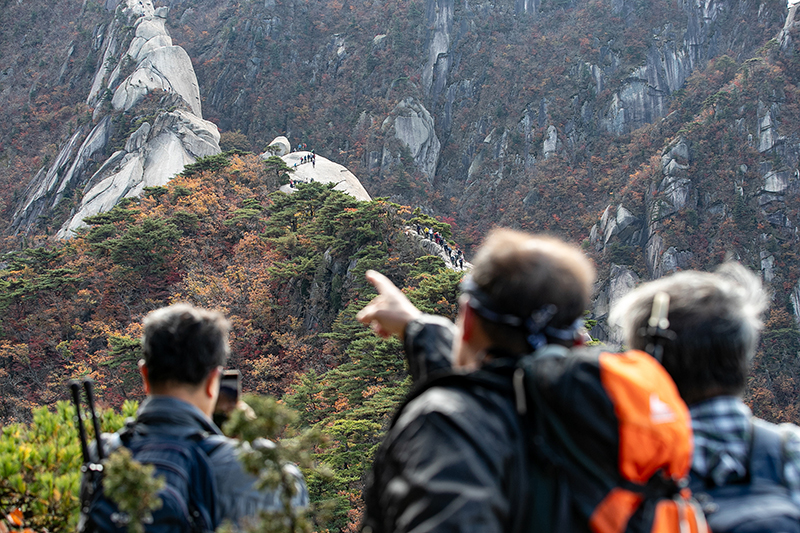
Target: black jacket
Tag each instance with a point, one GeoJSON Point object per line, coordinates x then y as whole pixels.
{"type": "Point", "coordinates": [454, 458]}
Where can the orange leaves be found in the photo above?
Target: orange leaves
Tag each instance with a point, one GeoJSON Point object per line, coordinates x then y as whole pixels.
{"type": "Point", "coordinates": [371, 390]}
{"type": "Point", "coordinates": [15, 517]}
{"type": "Point", "coordinates": [341, 404]}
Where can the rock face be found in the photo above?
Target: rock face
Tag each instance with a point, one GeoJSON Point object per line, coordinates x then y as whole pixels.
{"type": "Point", "coordinates": [788, 36]}
{"type": "Point", "coordinates": [645, 95]}
{"type": "Point", "coordinates": [439, 15]}
{"type": "Point", "coordinates": [166, 139]}
{"type": "Point", "coordinates": [672, 56]}
{"type": "Point", "coordinates": [411, 127]}
{"type": "Point", "coordinates": [621, 281]}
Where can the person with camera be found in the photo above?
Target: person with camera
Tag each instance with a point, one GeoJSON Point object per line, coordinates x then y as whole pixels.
{"type": "Point", "coordinates": [185, 349]}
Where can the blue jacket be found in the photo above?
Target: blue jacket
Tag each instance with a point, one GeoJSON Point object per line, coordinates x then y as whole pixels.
{"type": "Point", "coordinates": [237, 496]}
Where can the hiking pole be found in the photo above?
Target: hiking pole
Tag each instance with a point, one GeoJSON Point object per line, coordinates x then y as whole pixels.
{"type": "Point", "coordinates": [76, 399]}
{"type": "Point", "coordinates": [87, 385]}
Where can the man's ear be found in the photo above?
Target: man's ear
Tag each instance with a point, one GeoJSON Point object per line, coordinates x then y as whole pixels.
{"type": "Point", "coordinates": [145, 379]}
{"type": "Point", "coordinates": [211, 385]}
{"type": "Point", "coordinates": [469, 318]}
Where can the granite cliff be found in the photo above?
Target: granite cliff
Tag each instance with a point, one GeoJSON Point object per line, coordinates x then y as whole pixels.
{"type": "Point", "coordinates": [142, 79]}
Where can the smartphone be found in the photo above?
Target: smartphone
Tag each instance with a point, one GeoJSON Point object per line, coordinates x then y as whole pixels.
{"type": "Point", "coordinates": [230, 390]}
{"type": "Point", "coordinates": [231, 384]}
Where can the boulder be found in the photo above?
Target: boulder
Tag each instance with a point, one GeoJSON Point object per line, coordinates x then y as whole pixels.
{"type": "Point", "coordinates": [150, 27]}
{"type": "Point", "coordinates": [278, 146]}
{"type": "Point", "coordinates": [550, 145]}
{"type": "Point", "coordinates": [767, 266]}
{"type": "Point", "coordinates": [200, 138]}
{"type": "Point", "coordinates": [621, 280]}
{"type": "Point", "coordinates": [776, 182]}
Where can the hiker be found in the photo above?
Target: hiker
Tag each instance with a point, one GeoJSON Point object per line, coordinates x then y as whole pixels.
{"type": "Point", "coordinates": [457, 479]}
{"type": "Point", "coordinates": [715, 319]}
{"type": "Point", "coordinates": [185, 349]}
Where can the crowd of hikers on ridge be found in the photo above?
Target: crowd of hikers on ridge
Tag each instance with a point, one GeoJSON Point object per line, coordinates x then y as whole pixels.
{"type": "Point", "coordinates": [308, 158]}
{"type": "Point", "coordinates": [456, 255]}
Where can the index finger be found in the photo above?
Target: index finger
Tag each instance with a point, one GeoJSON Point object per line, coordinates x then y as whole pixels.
{"type": "Point", "coordinates": [380, 282]}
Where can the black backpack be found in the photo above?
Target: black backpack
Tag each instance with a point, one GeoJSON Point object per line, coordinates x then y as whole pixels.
{"type": "Point", "coordinates": [583, 412]}
{"type": "Point", "coordinates": [188, 497]}
{"type": "Point", "coordinates": [760, 503]}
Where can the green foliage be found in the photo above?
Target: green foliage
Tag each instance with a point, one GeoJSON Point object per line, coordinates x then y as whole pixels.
{"type": "Point", "coordinates": [34, 271]}
{"type": "Point", "coordinates": [40, 465]}
{"type": "Point", "coordinates": [143, 246]}
{"type": "Point", "coordinates": [218, 238]}
{"type": "Point", "coordinates": [119, 213]}
{"type": "Point", "coordinates": [101, 232]}
{"type": "Point", "coordinates": [208, 163]}
{"type": "Point", "coordinates": [267, 448]}
{"type": "Point", "coordinates": [187, 222]}
{"type": "Point", "coordinates": [276, 165]}
{"type": "Point", "coordinates": [234, 140]}
{"type": "Point", "coordinates": [743, 214]}
{"type": "Point", "coordinates": [352, 403]}
{"type": "Point", "coordinates": [154, 192]}
{"type": "Point", "coordinates": [621, 254]}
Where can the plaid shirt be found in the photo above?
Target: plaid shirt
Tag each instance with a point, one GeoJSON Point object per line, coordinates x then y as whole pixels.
{"type": "Point", "coordinates": [722, 434]}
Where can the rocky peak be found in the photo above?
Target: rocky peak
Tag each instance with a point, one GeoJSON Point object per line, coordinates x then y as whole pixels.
{"type": "Point", "coordinates": [149, 78]}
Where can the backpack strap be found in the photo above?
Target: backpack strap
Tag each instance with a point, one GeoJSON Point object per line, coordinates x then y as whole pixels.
{"type": "Point", "coordinates": [767, 452]}
{"type": "Point", "coordinates": [206, 444]}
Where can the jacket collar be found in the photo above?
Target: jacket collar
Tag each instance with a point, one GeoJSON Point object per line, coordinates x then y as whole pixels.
{"type": "Point", "coordinates": [168, 411]}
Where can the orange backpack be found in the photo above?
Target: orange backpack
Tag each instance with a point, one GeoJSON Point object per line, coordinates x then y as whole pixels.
{"type": "Point", "coordinates": [611, 436]}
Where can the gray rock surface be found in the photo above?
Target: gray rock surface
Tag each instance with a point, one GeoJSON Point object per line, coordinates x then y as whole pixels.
{"type": "Point", "coordinates": [413, 126]}
{"type": "Point", "coordinates": [789, 33]}
{"type": "Point", "coordinates": [439, 15]}
{"type": "Point", "coordinates": [550, 144]}
{"type": "Point", "coordinates": [621, 281]}
{"type": "Point", "coordinates": [152, 156]}
{"type": "Point", "coordinates": [157, 150]}
{"type": "Point", "coordinates": [160, 65]}
{"type": "Point", "coordinates": [281, 145]}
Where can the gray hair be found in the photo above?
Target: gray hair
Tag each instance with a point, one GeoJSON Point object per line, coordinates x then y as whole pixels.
{"type": "Point", "coordinates": [716, 318]}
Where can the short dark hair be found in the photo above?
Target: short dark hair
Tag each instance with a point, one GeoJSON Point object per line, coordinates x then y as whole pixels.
{"type": "Point", "coordinates": [183, 344]}
{"type": "Point", "coordinates": [522, 273]}
{"type": "Point", "coordinates": [716, 318]}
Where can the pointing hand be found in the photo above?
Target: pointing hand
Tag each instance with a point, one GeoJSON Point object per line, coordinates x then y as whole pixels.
{"type": "Point", "coordinates": [390, 311]}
